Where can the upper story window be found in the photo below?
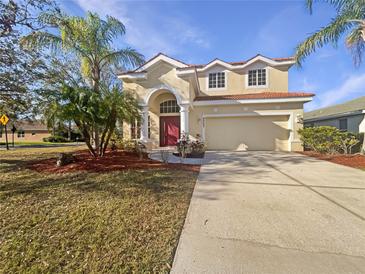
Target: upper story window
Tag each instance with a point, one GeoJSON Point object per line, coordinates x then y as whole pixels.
{"type": "Point", "coordinates": [257, 77]}
{"type": "Point", "coordinates": [217, 80]}
{"type": "Point", "coordinates": [169, 106]}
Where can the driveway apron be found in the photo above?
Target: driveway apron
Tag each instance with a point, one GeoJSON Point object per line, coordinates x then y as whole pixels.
{"type": "Point", "coordinates": [271, 212]}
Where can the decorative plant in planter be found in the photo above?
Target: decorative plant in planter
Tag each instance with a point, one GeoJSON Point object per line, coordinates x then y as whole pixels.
{"type": "Point", "coordinates": [190, 149]}
{"type": "Point", "coordinates": [198, 147]}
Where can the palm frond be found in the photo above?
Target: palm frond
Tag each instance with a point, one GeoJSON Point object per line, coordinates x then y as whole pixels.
{"type": "Point", "coordinates": [327, 35]}
{"type": "Point", "coordinates": [40, 39]}
{"type": "Point", "coordinates": [112, 28]}
{"type": "Point", "coordinates": [337, 4]}
{"type": "Point", "coordinates": [355, 42]}
{"type": "Point", "coordinates": [127, 58]}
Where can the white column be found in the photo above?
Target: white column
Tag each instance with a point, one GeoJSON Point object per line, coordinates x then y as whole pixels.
{"type": "Point", "coordinates": [144, 127]}
{"type": "Point", "coordinates": [291, 127]}
{"type": "Point", "coordinates": [184, 118]}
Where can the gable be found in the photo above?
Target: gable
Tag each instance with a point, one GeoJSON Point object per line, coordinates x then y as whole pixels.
{"type": "Point", "coordinates": [161, 58]}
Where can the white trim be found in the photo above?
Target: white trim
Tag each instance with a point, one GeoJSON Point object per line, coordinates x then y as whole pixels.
{"type": "Point", "coordinates": [252, 101]}
{"type": "Point", "coordinates": [175, 92]}
{"type": "Point", "coordinates": [215, 72]}
{"type": "Point", "coordinates": [162, 57]}
{"type": "Point", "coordinates": [140, 75]}
{"type": "Point", "coordinates": [257, 79]}
{"type": "Point", "coordinates": [291, 127]}
{"type": "Point", "coordinates": [232, 67]}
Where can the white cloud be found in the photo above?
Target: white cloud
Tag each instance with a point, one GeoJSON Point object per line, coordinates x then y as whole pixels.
{"type": "Point", "coordinates": [353, 86]}
{"type": "Point", "coordinates": [147, 30]}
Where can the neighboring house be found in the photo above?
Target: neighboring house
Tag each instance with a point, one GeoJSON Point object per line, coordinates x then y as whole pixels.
{"type": "Point", "coordinates": [232, 106]}
{"type": "Point", "coordinates": [349, 116]}
{"type": "Point", "coordinates": [26, 131]}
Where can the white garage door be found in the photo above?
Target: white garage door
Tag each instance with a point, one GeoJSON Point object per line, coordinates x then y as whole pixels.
{"type": "Point", "coordinates": [247, 133]}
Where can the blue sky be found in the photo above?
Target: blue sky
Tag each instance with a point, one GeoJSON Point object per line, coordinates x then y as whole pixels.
{"type": "Point", "coordinates": [199, 31]}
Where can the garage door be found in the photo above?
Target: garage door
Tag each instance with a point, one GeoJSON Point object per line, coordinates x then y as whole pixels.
{"type": "Point", "coordinates": [247, 133]}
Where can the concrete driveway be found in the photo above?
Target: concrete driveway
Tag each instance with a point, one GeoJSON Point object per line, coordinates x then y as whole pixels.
{"type": "Point", "coordinates": [267, 212]}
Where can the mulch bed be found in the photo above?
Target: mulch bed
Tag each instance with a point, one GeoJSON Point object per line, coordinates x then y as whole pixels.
{"type": "Point", "coordinates": [113, 160]}
{"type": "Point", "coordinates": [351, 160]}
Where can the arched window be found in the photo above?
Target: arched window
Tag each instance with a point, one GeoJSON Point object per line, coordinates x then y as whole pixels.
{"type": "Point", "coordinates": [169, 106]}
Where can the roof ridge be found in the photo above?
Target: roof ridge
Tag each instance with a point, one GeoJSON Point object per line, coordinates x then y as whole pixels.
{"type": "Point", "coordinates": [336, 105]}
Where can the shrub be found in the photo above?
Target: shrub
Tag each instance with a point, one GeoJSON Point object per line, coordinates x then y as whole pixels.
{"type": "Point", "coordinates": [327, 139]}
{"type": "Point", "coordinates": [55, 139]}
{"type": "Point", "coordinates": [198, 146]}
{"type": "Point", "coordinates": [183, 145]}
{"type": "Point", "coordinates": [127, 145]}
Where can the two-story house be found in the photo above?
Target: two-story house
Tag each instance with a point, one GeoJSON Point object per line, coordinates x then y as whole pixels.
{"type": "Point", "coordinates": [231, 105]}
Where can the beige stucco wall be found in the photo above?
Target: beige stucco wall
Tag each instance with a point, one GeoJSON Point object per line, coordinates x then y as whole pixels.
{"type": "Point", "coordinates": [162, 74]}
{"type": "Point", "coordinates": [28, 137]}
{"type": "Point", "coordinates": [236, 80]}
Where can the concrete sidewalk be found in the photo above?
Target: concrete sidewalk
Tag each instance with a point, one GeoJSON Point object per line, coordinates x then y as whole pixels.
{"type": "Point", "coordinates": [267, 212]}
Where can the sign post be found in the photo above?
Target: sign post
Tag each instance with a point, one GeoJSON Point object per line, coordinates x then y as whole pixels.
{"type": "Point", "coordinates": [13, 131]}
{"type": "Point", "coordinates": [4, 120]}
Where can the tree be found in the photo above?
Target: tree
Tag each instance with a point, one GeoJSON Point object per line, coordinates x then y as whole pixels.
{"type": "Point", "coordinates": [20, 72]}
{"type": "Point", "coordinates": [20, 69]}
{"type": "Point", "coordinates": [24, 13]}
{"type": "Point", "coordinates": [349, 21]}
{"type": "Point", "coordinates": [104, 110]}
{"type": "Point", "coordinates": [90, 40]}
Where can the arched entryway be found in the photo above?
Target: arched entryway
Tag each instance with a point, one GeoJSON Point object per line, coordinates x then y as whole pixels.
{"type": "Point", "coordinates": [165, 117]}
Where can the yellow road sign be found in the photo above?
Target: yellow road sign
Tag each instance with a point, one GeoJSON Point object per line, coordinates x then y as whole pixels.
{"type": "Point", "coordinates": [4, 119]}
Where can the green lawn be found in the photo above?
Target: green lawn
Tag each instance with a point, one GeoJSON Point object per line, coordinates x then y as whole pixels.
{"type": "Point", "coordinates": [86, 222]}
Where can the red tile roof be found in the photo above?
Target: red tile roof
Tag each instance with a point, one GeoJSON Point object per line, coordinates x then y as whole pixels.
{"type": "Point", "coordinates": [261, 95]}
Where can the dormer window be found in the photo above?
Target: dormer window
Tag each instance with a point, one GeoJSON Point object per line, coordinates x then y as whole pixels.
{"type": "Point", "coordinates": [257, 77]}
{"type": "Point", "coordinates": [217, 80]}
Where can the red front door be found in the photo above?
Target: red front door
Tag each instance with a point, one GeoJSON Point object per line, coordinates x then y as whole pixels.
{"type": "Point", "coordinates": [169, 130]}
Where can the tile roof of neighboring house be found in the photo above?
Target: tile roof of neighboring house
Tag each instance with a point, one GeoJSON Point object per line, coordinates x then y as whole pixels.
{"type": "Point", "coordinates": [261, 95]}
{"type": "Point", "coordinates": [189, 66]}
{"type": "Point", "coordinates": [29, 125]}
{"type": "Point", "coordinates": [347, 107]}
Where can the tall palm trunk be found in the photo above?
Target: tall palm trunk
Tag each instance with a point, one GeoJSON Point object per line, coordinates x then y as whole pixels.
{"type": "Point", "coordinates": [96, 83]}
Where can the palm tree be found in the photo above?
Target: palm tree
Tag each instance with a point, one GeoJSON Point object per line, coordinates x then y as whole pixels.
{"type": "Point", "coordinates": [350, 20]}
{"type": "Point", "coordinates": [90, 39]}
